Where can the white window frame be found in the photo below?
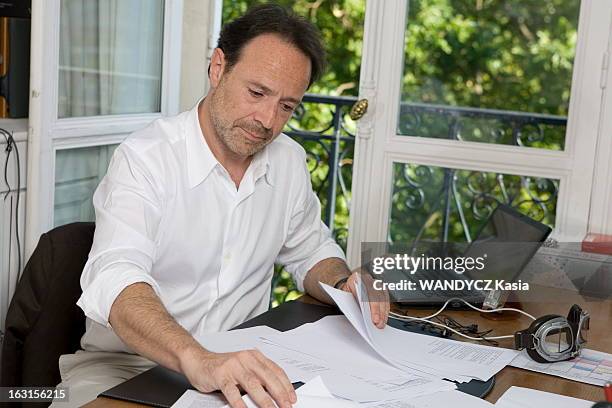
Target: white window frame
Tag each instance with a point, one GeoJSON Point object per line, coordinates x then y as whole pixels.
{"type": "Point", "coordinates": [48, 133]}
{"type": "Point", "coordinates": [378, 145]}
{"type": "Point", "coordinates": [600, 220]}
{"type": "Point", "coordinates": [216, 24]}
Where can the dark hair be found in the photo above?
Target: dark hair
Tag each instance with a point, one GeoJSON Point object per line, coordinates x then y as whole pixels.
{"type": "Point", "coordinates": [273, 19]}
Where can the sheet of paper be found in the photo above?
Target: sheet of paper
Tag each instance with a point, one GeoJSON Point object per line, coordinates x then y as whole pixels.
{"type": "Point", "coordinates": [195, 399]}
{"type": "Point", "coordinates": [313, 394]}
{"type": "Point", "coordinates": [334, 339]}
{"type": "Point", "coordinates": [445, 399]}
{"type": "Point", "coordinates": [426, 352]}
{"type": "Point", "coordinates": [297, 368]}
{"type": "Point", "coordinates": [519, 397]}
{"type": "Point", "coordinates": [444, 355]}
{"type": "Point", "coordinates": [351, 384]}
{"type": "Point", "coordinates": [350, 379]}
{"type": "Point", "coordinates": [336, 342]}
{"type": "Point", "coordinates": [233, 340]}
{"type": "Point", "coordinates": [591, 367]}
{"type": "Point", "coordinates": [352, 311]}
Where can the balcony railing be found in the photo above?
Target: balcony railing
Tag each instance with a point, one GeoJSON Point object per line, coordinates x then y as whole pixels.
{"type": "Point", "coordinates": [330, 146]}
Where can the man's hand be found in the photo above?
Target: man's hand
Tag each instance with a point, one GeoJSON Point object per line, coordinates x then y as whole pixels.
{"type": "Point", "coordinates": [262, 379]}
{"type": "Point", "coordinates": [379, 299]}
{"type": "Point", "coordinates": [331, 270]}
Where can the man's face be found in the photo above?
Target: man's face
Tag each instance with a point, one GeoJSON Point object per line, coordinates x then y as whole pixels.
{"type": "Point", "coordinates": [252, 101]}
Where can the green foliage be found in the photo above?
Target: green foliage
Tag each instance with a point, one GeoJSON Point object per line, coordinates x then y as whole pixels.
{"type": "Point", "coordinates": [491, 54]}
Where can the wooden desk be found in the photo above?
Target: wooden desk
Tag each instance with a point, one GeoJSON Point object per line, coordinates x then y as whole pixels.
{"type": "Point", "coordinates": [599, 338]}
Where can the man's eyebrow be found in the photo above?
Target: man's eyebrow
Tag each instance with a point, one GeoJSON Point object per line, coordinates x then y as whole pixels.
{"type": "Point", "coordinates": [267, 90]}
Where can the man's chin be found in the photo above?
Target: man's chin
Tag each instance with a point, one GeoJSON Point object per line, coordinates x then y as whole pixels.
{"type": "Point", "coordinates": [248, 151]}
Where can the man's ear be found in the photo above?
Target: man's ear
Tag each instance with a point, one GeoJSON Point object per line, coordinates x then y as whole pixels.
{"type": "Point", "coordinates": [216, 67]}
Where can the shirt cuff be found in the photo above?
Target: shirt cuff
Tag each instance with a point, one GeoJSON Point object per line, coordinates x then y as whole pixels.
{"type": "Point", "coordinates": [99, 296]}
{"type": "Point", "coordinates": [329, 250]}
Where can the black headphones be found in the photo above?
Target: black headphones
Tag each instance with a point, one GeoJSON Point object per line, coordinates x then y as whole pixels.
{"type": "Point", "coordinates": [569, 331]}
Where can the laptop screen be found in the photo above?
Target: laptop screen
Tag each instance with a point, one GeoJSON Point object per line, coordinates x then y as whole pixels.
{"type": "Point", "coordinates": [508, 240]}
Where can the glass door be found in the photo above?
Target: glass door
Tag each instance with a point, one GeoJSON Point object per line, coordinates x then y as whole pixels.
{"type": "Point", "coordinates": [474, 103]}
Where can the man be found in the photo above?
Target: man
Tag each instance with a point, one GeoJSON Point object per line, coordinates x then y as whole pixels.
{"type": "Point", "coordinates": [194, 212]}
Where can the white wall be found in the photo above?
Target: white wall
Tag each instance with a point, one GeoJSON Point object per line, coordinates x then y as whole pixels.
{"type": "Point", "coordinates": [200, 17]}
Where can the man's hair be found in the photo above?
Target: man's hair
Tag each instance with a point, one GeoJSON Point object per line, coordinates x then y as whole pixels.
{"type": "Point", "coordinates": [273, 19]}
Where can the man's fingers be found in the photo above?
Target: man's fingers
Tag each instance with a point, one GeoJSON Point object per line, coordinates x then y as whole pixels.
{"type": "Point", "coordinates": [351, 284]}
{"type": "Point", "coordinates": [378, 299]}
{"type": "Point", "coordinates": [252, 385]}
{"type": "Point", "coordinates": [283, 377]}
{"type": "Point", "coordinates": [382, 297]}
{"type": "Point", "coordinates": [387, 305]}
{"type": "Point", "coordinates": [274, 379]}
{"type": "Point", "coordinates": [232, 395]}
{"type": "Point", "coordinates": [379, 302]}
{"type": "Point", "coordinates": [377, 311]}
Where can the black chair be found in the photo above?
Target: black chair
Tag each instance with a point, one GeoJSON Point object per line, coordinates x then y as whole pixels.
{"type": "Point", "coordinates": [43, 320]}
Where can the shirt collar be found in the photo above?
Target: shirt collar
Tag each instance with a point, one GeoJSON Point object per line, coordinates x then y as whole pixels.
{"type": "Point", "coordinates": [201, 160]}
{"type": "Point", "coordinates": [261, 166]}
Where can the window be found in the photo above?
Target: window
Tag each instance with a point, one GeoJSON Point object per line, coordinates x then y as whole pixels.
{"type": "Point", "coordinates": [474, 102]}
{"type": "Point", "coordinates": [100, 70]}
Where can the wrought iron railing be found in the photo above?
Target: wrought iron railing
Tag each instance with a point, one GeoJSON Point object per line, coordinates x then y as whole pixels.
{"type": "Point", "coordinates": [322, 125]}
{"type": "Point", "coordinates": [483, 125]}
{"type": "Point", "coordinates": [329, 148]}
{"type": "Point", "coordinates": [476, 192]}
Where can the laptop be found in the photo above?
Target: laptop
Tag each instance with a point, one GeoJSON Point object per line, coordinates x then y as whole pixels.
{"type": "Point", "coordinates": [506, 243]}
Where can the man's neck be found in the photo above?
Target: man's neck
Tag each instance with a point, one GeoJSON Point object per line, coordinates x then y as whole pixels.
{"type": "Point", "coordinates": [235, 165]}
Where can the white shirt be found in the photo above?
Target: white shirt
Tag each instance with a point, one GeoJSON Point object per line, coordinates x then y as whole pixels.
{"type": "Point", "coordinates": [168, 214]}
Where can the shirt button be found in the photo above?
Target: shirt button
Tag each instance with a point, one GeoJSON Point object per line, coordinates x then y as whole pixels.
{"type": "Point", "coordinates": [227, 256]}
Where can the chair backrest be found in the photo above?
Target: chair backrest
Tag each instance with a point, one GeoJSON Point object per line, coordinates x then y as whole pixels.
{"type": "Point", "coordinates": [43, 320]}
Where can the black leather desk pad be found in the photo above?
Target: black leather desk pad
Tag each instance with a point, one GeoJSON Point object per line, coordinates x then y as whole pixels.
{"type": "Point", "coordinates": [160, 387]}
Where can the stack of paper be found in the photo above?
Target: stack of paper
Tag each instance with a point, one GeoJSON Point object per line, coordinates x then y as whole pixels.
{"type": "Point", "coordinates": [329, 348]}
{"type": "Point", "coordinates": [313, 394]}
{"type": "Point", "coordinates": [442, 358]}
{"type": "Point", "coordinates": [444, 399]}
{"type": "Point", "coordinates": [362, 363]}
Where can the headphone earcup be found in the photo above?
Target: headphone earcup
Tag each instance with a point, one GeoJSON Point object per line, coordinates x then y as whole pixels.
{"type": "Point", "coordinates": [533, 328]}
{"type": "Point", "coordinates": [536, 356]}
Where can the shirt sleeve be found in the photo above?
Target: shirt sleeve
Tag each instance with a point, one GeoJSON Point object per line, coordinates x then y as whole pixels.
{"type": "Point", "coordinates": [128, 208]}
{"type": "Point", "coordinates": [308, 239]}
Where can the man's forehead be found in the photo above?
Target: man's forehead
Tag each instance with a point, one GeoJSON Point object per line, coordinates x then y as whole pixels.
{"type": "Point", "coordinates": [269, 55]}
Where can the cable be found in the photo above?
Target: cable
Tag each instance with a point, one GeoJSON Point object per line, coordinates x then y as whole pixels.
{"type": "Point", "coordinates": [10, 145]}
{"type": "Point", "coordinates": [405, 318]}
{"type": "Point", "coordinates": [501, 309]}
{"type": "Point", "coordinates": [471, 329]}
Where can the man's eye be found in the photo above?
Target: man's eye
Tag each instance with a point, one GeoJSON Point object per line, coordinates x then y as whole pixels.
{"type": "Point", "coordinates": [256, 94]}
{"type": "Point", "coordinates": [287, 108]}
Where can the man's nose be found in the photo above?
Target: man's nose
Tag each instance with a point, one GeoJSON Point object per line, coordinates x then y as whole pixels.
{"type": "Point", "coordinates": [266, 114]}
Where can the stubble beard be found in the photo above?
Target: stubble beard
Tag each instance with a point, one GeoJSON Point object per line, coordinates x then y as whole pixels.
{"type": "Point", "coordinates": [231, 135]}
